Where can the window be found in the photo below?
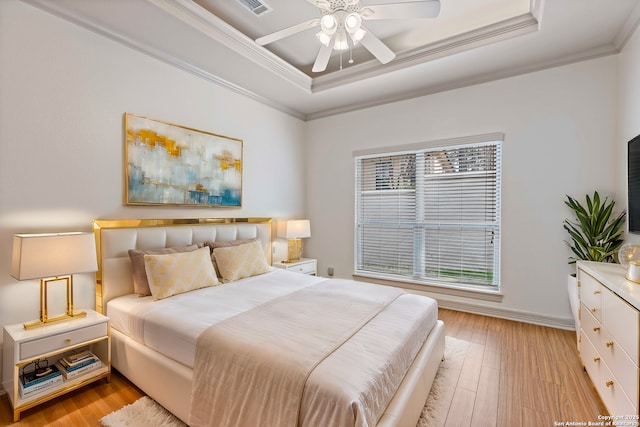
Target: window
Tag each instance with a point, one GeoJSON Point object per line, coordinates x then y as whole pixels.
{"type": "Point", "coordinates": [431, 213]}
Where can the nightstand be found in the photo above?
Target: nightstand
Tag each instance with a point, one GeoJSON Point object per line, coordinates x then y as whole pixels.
{"type": "Point", "coordinates": [22, 347]}
{"type": "Point", "coordinates": [304, 266]}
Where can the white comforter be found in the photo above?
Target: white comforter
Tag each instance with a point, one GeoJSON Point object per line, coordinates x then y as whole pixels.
{"type": "Point", "coordinates": [362, 374]}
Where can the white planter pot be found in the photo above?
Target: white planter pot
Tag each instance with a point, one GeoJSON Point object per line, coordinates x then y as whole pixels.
{"type": "Point", "coordinates": [572, 288]}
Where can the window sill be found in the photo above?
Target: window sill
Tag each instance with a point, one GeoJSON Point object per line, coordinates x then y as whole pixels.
{"type": "Point", "coordinates": [468, 291]}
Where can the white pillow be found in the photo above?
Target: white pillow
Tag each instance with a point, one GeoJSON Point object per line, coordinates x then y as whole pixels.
{"type": "Point", "coordinates": [237, 262]}
{"type": "Point", "coordinates": [176, 273]}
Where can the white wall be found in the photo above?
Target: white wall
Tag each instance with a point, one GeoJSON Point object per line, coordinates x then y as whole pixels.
{"type": "Point", "coordinates": [559, 128]}
{"type": "Point", "coordinates": [63, 93]}
{"type": "Point", "coordinates": [628, 113]}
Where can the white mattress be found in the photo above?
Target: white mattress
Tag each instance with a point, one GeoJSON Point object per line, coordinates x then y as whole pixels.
{"type": "Point", "coordinates": [171, 326]}
{"type": "Point", "coordinates": [366, 369]}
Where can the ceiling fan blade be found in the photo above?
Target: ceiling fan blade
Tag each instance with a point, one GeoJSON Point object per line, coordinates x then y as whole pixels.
{"type": "Point", "coordinates": [286, 32]}
{"type": "Point", "coordinates": [377, 48]}
{"type": "Point", "coordinates": [322, 60]}
{"type": "Point", "coordinates": [410, 10]}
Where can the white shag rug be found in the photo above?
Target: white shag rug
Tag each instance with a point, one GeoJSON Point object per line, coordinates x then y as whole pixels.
{"type": "Point", "coordinates": [145, 412]}
{"type": "Point", "coordinates": [435, 410]}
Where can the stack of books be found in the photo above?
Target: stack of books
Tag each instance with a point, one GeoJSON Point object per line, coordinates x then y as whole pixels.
{"type": "Point", "coordinates": [77, 364]}
{"type": "Point", "coordinates": [39, 380]}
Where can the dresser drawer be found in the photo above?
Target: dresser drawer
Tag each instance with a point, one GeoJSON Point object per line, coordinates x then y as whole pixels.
{"type": "Point", "coordinates": [591, 294]}
{"type": "Point", "coordinates": [611, 391]}
{"type": "Point", "coordinates": [48, 344]}
{"type": "Point", "coordinates": [619, 363]}
{"type": "Point", "coordinates": [590, 327]}
{"type": "Point", "coordinates": [621, 321]}
{"type": "Point", "coordinates": [591, 359]}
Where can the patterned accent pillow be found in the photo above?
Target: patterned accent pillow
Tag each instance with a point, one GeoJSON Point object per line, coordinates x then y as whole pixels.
{"type": "Point", "coordinates": [227, 243]}
{"type": "Point", "coordinates": [238, 262]}
{"type": "Point", "coordinates": [173, 274]}
{"type": "Point", "coordinates": [139, 274]}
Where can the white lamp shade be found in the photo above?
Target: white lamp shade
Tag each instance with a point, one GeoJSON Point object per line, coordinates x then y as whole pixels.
{"type": "Point", "coordinates": [37, 256]}
{"type": "Point", "coordinates": [296, 229]}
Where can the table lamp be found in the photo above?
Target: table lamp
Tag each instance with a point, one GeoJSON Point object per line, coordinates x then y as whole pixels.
{"type": "Point", "coordinates": [51, 257]}
{"type": "Point", "coordinates": [294, 231]}
{"type": "Point", "coordinates": [629, 257]}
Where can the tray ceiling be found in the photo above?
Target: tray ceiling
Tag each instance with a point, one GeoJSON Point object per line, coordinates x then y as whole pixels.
{"type": "Point", "coordinates": [471, 41]}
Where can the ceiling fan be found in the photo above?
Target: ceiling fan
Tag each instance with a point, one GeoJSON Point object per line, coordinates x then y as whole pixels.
{"type": "Point", "coordinates": [341, 26]}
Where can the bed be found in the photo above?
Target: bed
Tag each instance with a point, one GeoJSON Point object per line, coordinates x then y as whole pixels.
{"type": "Point", "coordinates": [365, 358]}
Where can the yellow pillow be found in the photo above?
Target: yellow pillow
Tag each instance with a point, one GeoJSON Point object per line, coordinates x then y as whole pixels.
{"type": "Point", "coordinates": [176, 273]}
{"type": "Point", "coordinates": [237, 262]}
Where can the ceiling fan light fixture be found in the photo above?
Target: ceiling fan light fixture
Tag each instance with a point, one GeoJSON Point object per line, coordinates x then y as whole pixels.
{"type": "Point", "coordinates": [324, 38]}
{"type": "Point", "coordinates": [341, 42]}
{"type": "Point", "coordinates": [357, 36]}
{"type": "Point", "coordinates": [329, 24]}
{"type": "Point", "coordinates": [352, 22]}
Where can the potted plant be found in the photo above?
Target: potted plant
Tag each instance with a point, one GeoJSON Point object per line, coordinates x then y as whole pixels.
{"type": "Point", "coordinates": [596, 235]}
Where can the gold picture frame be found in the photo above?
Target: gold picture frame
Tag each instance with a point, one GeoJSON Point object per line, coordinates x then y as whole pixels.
{"type": "Point", "coordinates": [169, 164]}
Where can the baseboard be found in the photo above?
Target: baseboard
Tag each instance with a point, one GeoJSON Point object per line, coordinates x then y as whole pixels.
{"type": "Point", "coordinates": [444, 294]}
{"type": "Point", "coordinates": [509, 314]}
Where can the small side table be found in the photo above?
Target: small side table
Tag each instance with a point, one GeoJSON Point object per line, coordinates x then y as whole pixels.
{"type": "Point", "coordinates": [24, 346]}
{"type": "Point", "coordinates": [304, 266]}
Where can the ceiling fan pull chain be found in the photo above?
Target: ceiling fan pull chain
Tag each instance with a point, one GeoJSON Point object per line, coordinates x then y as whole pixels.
{"type": "Point", "coordinates": [341, 60]}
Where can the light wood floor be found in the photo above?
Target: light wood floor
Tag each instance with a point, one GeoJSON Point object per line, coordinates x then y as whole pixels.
{"type": "Point", "coordinates": [516, 374]}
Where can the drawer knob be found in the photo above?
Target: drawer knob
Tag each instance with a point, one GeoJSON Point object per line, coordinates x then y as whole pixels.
{"type": "Point", "coordinates": [596, 359]}
{"type": "Point", "coordinates": [609, 344]}
{"type": "Point", "coordinates": [594, 309]}
{"type": "Point", "coordinates": [609, 383]}
{"type": "Point", "coordinates": [68, 340]}
{"type": "Point", "coordinates": [596, 328]}
{"type": "Point", "coordinates": [596, 292]}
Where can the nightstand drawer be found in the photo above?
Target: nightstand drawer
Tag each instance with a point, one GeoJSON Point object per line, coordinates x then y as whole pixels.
{"type": "Point", "coordinates": [306, 268]}
{"type": "Point", "coordinates": [29, 349]}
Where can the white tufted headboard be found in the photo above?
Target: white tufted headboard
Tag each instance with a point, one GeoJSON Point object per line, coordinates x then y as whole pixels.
{"type": "Point", "coordinates": [114, 238]}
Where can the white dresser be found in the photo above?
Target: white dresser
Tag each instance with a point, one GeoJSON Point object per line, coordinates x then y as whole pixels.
{"type": "Point", "coordinates": [608, 340]}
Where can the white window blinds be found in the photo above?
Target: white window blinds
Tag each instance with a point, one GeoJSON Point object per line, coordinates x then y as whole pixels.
{"type": "Point", "coordinates": [430, 214]}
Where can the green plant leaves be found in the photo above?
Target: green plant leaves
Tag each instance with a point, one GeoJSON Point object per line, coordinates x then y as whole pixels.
{"type": "Point", "coordinates": [595, 235]}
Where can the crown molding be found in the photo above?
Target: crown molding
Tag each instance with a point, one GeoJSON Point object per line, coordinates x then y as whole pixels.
{"type": "Point", "coordinates": [62, 12]}
{"type": "Point", "coordinates": [498, 31]}
{"type": "Point", "coordinates": [201, 19]}
{"type": "Point", "coordinates": [479, 79]}
{"type": "Point", "coordinates": [629, 27]}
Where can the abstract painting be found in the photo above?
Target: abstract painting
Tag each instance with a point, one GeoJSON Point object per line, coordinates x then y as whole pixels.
{"type": "Point", "coordinates": [169, 164]}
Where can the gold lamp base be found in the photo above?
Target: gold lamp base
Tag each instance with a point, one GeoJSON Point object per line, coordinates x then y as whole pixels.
{"type": "Point", "coordinates": [44, 312]}
{"type": "Point", "coordinates": [294, 252]}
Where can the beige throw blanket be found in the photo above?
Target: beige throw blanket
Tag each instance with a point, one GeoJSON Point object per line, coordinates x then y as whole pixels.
{"type": "Point", "coordinates": [251, 369]}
